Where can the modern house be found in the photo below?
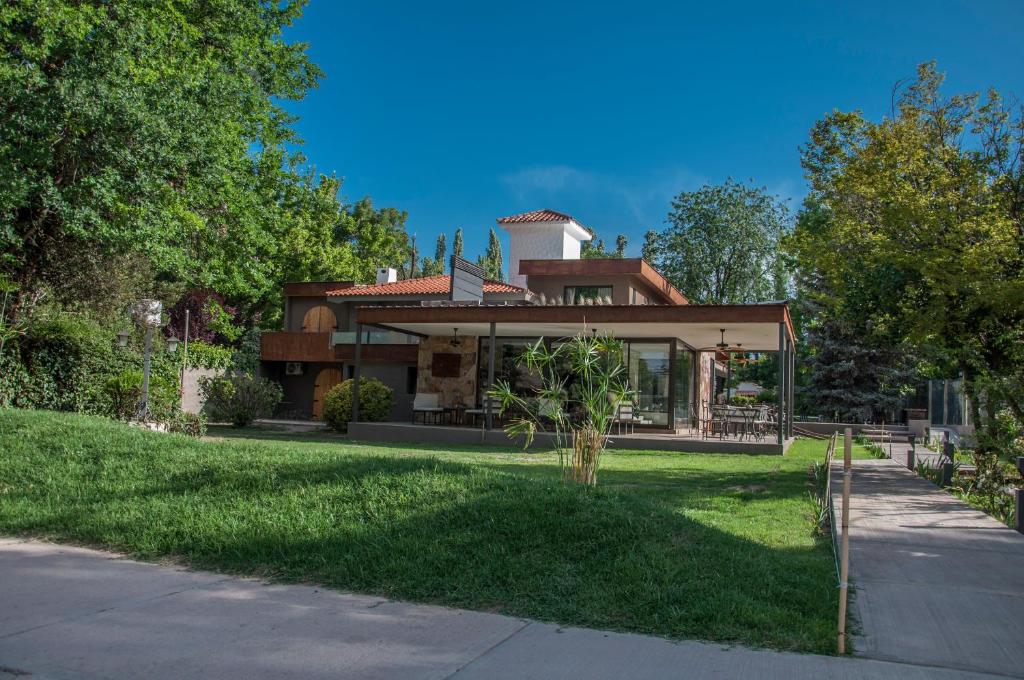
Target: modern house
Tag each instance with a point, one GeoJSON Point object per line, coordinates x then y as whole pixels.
{"type": "Point", "coordinates": [454, 335]}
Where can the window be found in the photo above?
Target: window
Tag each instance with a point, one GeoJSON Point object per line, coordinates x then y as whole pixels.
{"type": "Point", "coordinates": [575, 295]}
{"type": "Point", "coordinates": [350, 371]}
{"type": "Point", "coordinates": [410, 380]}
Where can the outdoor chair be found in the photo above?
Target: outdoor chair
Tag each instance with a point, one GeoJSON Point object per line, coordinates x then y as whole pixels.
{"type": "Point", "coordinates": [472, 414]}
{"type": "Point", "coordinates": [427, 404]}
{"type": "Point", "coordinates": [624, 416]}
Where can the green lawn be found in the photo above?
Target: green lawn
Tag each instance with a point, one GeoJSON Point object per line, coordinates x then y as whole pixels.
{"type": "Point", "coordinates": [717, 547]}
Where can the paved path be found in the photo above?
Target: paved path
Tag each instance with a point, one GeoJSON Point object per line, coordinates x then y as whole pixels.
{"type": "Point", "coordinates": [68, 613]}
{"type": "Point", "coordinates": [937, 582]}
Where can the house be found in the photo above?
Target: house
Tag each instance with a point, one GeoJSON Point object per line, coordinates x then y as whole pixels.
{"type": "Point", "coordinates": [453, 335]}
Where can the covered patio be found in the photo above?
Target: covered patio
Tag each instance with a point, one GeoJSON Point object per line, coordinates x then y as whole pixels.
{"type": "Point", "coordinates": [670, 354]}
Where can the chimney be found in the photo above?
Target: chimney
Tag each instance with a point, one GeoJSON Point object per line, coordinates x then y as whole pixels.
{"type": "Point", "coordinates": [386, 275]}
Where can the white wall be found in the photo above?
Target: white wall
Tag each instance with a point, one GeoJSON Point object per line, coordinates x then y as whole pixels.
{"type": "Point", "coordinates": [539, 241]}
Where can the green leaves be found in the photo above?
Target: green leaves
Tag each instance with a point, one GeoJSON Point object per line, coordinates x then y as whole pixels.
{"type": "Point", "coordinates": [722, 244]}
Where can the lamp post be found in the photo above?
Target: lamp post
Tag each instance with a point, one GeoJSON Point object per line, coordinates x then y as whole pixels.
{"type": "Point", "coordinates": [147, 314]}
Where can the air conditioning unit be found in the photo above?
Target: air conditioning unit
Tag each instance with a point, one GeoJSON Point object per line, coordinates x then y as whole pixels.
{"type": "Point", "coordinates": [293, 368]}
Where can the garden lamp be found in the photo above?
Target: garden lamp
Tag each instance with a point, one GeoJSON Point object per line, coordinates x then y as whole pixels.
{"type": "Point", "coordinates": [122, 338]}
{"type": "Point", "coordinates": [172, 344]}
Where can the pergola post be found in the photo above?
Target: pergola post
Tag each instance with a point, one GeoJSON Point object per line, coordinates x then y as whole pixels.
{"type": "Point", "coordinates": [355, 372]}
{"type": "Point", "coordinates": [488, 415]}
{"type": "Point", "coordinates": [783, 360]}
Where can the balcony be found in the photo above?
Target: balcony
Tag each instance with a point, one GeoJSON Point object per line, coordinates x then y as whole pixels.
{"type": "Point", "coordinates": [374, 338]}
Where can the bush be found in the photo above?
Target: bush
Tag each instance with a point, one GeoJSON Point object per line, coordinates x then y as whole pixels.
{"type": "Point", "coordinates": [375, 402]}
{"type": "Point", "coordinates": [739, 400]}
{"type": "Point", "coordinates": [124, 391]}
{"type": "Point", "coordinates": [205, 355]}
{"type": "Point", "coordinates": [239, 399]}
{"type": "Point", "coordinates": [192, 424]}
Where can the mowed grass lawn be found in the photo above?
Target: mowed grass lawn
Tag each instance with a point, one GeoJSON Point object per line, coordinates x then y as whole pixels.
{"type": "Point", "coordinates": [716, 547]}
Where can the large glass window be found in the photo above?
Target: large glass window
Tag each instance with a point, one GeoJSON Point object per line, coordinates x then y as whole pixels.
{"type": "Point", "coordinates": [507, 358]}
{"type": "Point", "coordinates": [649, 378]}
{"type": "Point", "coordinates": [683, 385]}
{"type": "Point", "coordinates": [575, 295]}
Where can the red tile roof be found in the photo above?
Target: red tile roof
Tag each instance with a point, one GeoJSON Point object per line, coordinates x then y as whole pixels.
{"type": "Point", "coordinates": [429, 285]}
{"type": "Point", "coordinates": [544, 215]}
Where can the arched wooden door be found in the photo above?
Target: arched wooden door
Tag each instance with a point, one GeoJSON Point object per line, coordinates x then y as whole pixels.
{"type": "Point", "coordinates": [325, 380]}
{"type": "Point", "coordinates": [320, 319]}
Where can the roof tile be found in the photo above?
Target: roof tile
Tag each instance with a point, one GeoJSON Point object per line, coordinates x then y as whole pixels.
{"type": "Point", "coordinates": [544, 215]}
{"type": "Point", "coordinates": [428, 285]}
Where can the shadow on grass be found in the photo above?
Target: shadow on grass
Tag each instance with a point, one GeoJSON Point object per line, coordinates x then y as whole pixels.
{"type": "Point", "coordinates": [430, 530]}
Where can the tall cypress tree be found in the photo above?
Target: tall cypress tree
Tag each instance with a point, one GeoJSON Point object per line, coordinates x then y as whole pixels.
{"type": "Point", "coordinates": [491, 260]}
{"type": "Point", "coordinates": [457, 243]}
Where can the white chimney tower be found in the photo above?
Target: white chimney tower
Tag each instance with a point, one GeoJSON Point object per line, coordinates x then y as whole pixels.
{"type": "Point", "coordinates": [541, 235]}
{"type": "Point", "coordinates": [386, 275]}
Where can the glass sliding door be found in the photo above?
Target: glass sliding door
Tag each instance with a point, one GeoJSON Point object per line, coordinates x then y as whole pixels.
{"type": "Point", "coordinates": [649, 376]}
{"type": "Point", "coordinates": [683, 383]}
{"type": "Point", "coordinates": [508, 366]}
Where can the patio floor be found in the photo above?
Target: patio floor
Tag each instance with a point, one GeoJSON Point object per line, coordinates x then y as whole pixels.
{"type": "Point", "coordinates": [651, 440]}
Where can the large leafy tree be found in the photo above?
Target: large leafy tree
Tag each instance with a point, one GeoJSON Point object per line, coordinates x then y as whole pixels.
{"type": "Point", "coordinates": [377, 237]}
{"type": "Point", "coordinates": [722, 244]}
{"type": "Point", "coordinates": [927, 226]}
{"type": "Point", "coordinates": [150, 130]}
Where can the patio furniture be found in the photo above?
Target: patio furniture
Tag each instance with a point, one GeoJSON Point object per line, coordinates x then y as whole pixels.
{"type": "Point", "coordinates": [624, 416]}
{"type": "Point", "coordinates": [427, 404]}
{"type": "Point", "coordinates": [471, 414]}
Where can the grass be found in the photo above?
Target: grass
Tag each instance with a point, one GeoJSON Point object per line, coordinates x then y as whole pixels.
{"type": "Point", "coordinates": [717, 547]}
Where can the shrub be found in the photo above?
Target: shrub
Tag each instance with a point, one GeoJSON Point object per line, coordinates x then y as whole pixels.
{"type": "Point", "coordinates": [191, 424]}
{"type": "Point", "coordinates": [205, 355]}
{"type": "Point", "coordinates": [239, 399]}
{"type": "Point", "coordinates": [739, 400]}
{"type": "Point", "coordinates": [124, 391]}
{"type": "Point", "coordinates": [375, 401]}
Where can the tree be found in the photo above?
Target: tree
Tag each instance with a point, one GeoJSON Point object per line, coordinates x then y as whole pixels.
{"type": "Point", "coordinates": [722, 245]}
{"type": "Point", "coordinates": [457, 243]}
{"type": "Point", "coordinates": [377, 236]}
{"type": "Point", "coordinates": [927, 226]}
{"type": "Point", "coordinates": [146, 129]}
{"type": "Point", "coordinates": [491, 260]}
{"type": "Point", "coordinates": [435, 266]}
{"type": "Point", "coordinates": [595, 248]}
{"type": "Point", "coordinates": [620, 245]}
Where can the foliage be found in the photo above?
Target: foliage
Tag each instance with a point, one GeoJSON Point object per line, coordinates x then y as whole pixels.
{"type": "Point", "coordinates": [246, 356]}
{"type": "Point", "coordinates": [239, 399]}
{"type": "Point", "coordinates": [124, 392]}
{"type": "Point", "coordinates": [209, 319]}
{"type": "Point", "coordinates": [433, 266]}
{"type": "Point", "coordinates": [722, 245]}
{"type": "Point", "coordinates": [491, 260]}
{"type": "Point", "coordinates": [987, 488]}
{"type": "Point", "coordinates": [147, 129]}
{"type": "Point", "coordinates": [595, 249]}
{"type": "Point", "coordinates": [457, 245]}
{"type": "Point", "coordinates": [63, 362]}
{"type": "Point", "coordinates": [581, 418]}
{"type": "Point", "coordinates": [927, 225]}
{"type": "Point", "coordinates": [852, 368]}
{"type": "Point", "coordinates": [10, 327]}
{"type": "Point", "coordinates": [739, 400]}
{"type": "Point", "coordinates": [375, 402]}
{"type": "Point", "coordinates": [377, 237]}
{"type": "Point", "coordinates": [203, 355]}
{"type": "Point", "coordinates": [472, 527]}
{"type": "Point", "coordinates": [191, 424]}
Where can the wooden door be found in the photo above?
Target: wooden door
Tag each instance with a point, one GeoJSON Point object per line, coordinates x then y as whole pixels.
{"type": "Point", "coordinates": [325, 380]}
{"type": "Point", "coordinates": [320, 319]}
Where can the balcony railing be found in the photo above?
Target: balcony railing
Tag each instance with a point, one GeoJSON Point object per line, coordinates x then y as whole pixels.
{"type": "Point", "coordinates": [374, 338]}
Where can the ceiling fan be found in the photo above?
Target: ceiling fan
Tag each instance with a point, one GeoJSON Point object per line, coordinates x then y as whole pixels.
{"type": "Point", "coordinates": [721, 345]}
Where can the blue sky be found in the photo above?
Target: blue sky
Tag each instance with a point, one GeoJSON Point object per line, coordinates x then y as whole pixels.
{"type": "Point", "coordinates": [462, 112]}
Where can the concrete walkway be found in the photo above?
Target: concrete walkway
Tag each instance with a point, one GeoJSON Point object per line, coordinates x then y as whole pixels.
{"type": "Point", "coordinates": [937, 582]}
{"type": "Point", "coordinates": [69, 613]}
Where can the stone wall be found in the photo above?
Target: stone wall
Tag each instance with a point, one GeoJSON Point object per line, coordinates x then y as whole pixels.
{"type": "Point", "coordinates": [705, 379]}
{"type": "Point", "coordinates": [452, 390]}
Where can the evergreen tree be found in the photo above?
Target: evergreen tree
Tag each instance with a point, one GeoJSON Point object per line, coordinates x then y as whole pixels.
{"type": "Point", "coordinates": [491, 260]}
{"type": "Point", "coordinates": [457, 243]}
{"type": "Point", "coordinates": [620, 245]}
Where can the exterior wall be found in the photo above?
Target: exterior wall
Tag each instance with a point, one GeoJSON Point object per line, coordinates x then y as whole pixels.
{"type": "Point", "coordinates": [298, 389]}
{"type": "Point", "coordinates": [452, 391]}
{"type": "Point", "coordinates": [538, 241]}
{"type": "Point", "coordinates": [554, 286]}
{"type": "Point", "coordinates": [191, 400]}
{"type": "Point", "coordinates": [394, 376]}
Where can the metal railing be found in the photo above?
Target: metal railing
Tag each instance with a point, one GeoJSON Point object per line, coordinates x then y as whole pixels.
{"type": "Point", "coordinates": [374, 338]}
